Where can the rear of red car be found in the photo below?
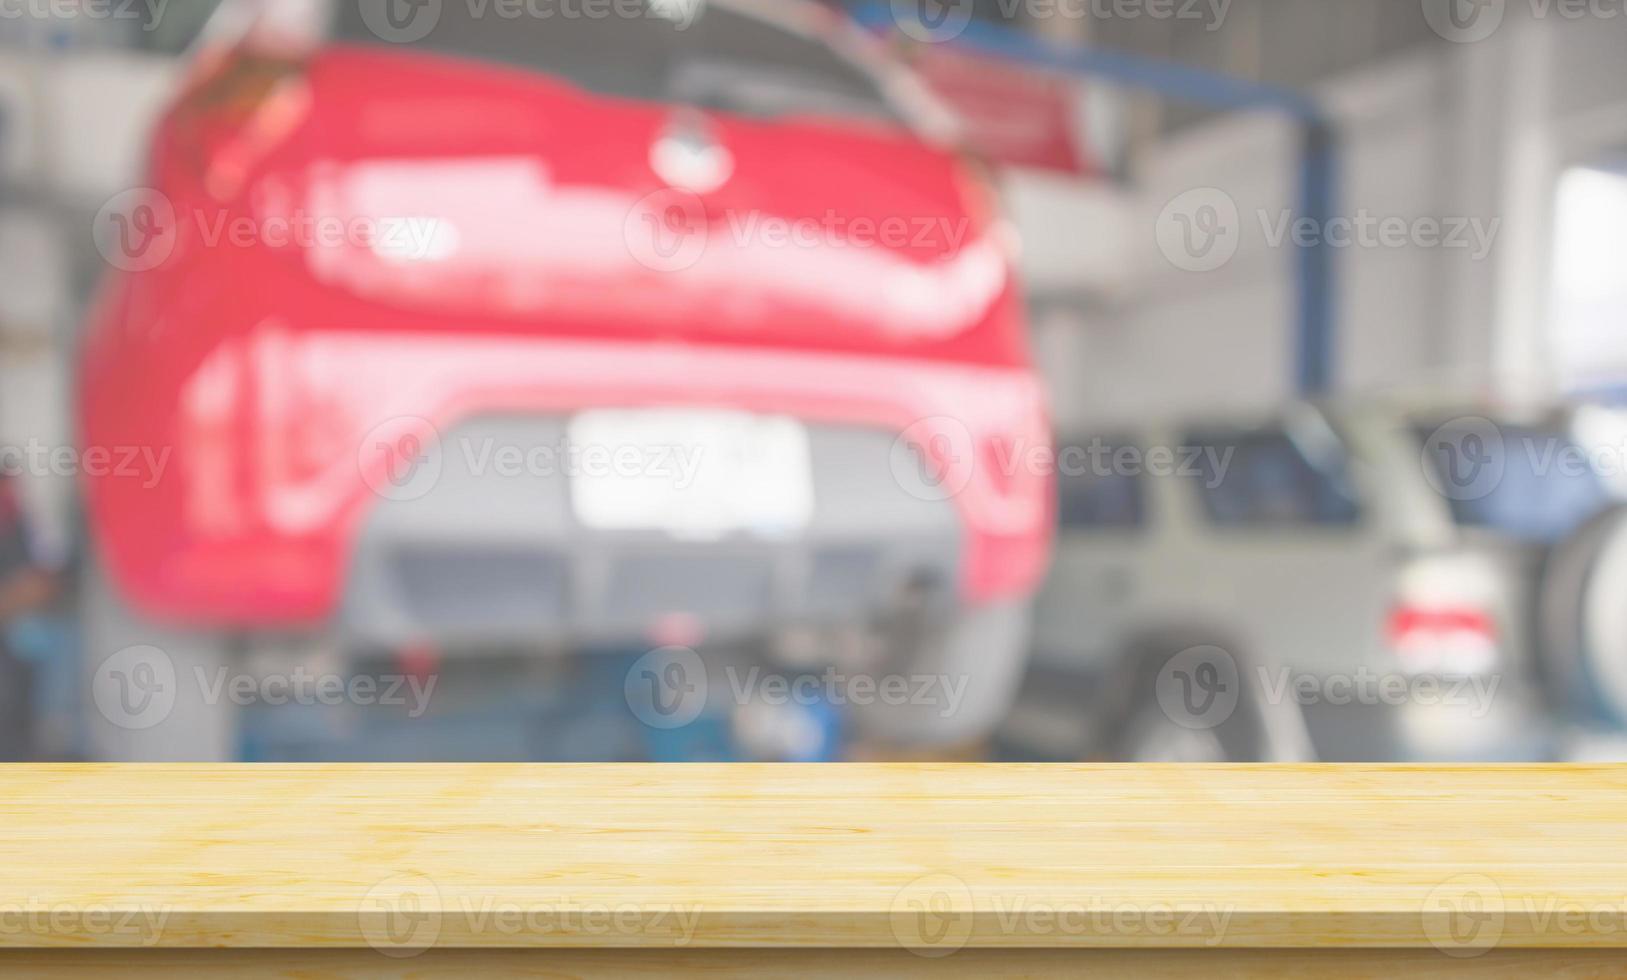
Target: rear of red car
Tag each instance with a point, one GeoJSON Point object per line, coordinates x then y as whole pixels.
{"type": "Point", "coordinates": [474, 334]}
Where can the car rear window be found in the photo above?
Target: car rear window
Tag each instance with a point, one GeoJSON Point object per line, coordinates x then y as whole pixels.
{"type": "Point", "coordinates": [1529, 482]}
{"type": "Point", "coordinates": [1266, 479]}
{"type": "Point", "coordinates": [1096, 491]}
{"type": "Point", "coordinates": [721, 59]}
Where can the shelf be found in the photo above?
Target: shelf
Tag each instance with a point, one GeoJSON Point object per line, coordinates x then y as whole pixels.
{"type": "Point", "coordinates": [1165, 867]}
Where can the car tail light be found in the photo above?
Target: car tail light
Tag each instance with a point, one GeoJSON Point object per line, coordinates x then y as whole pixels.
{"type": "Point", "coordinates": [1442, 639]}
{"type": "Point", "coordinates": [241, 106]}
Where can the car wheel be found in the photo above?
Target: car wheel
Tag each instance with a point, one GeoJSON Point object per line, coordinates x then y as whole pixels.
{"type": "Point", "coordinates": [1583, 620]}
{"type": "Point", "coordinates": [962, 679]}
{"type": "Point", "coordinates": [151, 692]}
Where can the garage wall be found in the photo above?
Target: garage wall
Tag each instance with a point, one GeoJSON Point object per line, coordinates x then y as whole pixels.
{"type": "Point", "coordinates": [1191, 341]}
{"type": "Point", "coordinates": [1472, 132]}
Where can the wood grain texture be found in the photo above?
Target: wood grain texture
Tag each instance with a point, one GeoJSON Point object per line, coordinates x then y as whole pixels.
{"type": "Point", "coordinates": [932, 857]}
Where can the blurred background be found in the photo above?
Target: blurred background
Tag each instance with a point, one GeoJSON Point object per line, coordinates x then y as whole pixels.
{"type": "Point", "coordinates": [625, 379]}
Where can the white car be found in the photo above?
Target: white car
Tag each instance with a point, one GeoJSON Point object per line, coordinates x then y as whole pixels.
{"type": "Point", "coordinates": [1354, 583]}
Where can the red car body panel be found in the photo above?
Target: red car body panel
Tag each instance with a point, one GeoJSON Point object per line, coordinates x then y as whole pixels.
{"type": "Point", "coordinates": [262, 363]}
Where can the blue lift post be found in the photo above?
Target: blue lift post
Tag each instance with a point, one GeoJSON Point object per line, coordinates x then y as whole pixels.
{"type": "Point", "coordinates": [1314, 330]}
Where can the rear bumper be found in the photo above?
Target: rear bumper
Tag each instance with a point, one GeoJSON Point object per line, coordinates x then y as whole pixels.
{"type": "Point", "coordinates": [272, 503]}
{"type": "Point", "coordinates": [483, 558]}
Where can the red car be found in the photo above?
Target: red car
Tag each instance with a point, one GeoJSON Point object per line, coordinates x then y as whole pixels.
{"type": "Point", "coordinates": [478, 331]}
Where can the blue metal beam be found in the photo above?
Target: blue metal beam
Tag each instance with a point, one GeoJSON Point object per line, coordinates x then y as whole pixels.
{"type": "Point", "coordinates": [1314, 332]}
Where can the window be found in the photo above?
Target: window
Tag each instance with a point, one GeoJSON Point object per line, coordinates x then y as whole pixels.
{"type": "Point", "coordinates": [1267, 479]}
{"type": "Point", "coordinates": [1096, 491]}
{"type": "Point", "coordinates": [1589, 291]}
{"type": "Point", "coordinates": [1545, 485]}
{"type": "Point", "coordinates": [735, 63]}
{"type": "Point", "coordinates": [722, 60]}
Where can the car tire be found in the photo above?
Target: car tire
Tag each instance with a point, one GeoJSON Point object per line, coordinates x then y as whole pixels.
{"type": "Point", "coordinates": [1583, 622]}
{"type": "Point", "coordinates": [975, 663]}
{"type": "Point", "coordinates": [151, 692]}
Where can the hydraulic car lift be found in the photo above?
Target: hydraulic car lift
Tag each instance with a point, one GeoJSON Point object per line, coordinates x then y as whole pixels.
{"type": "Point", "coordinates": [1315, 333]}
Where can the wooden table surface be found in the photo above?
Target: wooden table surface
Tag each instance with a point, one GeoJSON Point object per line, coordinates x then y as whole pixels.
{"type": "Point", "coordinates": [934, 858]}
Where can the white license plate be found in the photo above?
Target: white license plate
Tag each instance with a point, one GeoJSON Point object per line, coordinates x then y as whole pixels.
{"type": "Point", "coordinates": [692, 474]}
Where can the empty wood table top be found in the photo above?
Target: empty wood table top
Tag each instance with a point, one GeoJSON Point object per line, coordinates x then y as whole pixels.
{"type": "Point", "coordinates": [934, 858]}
